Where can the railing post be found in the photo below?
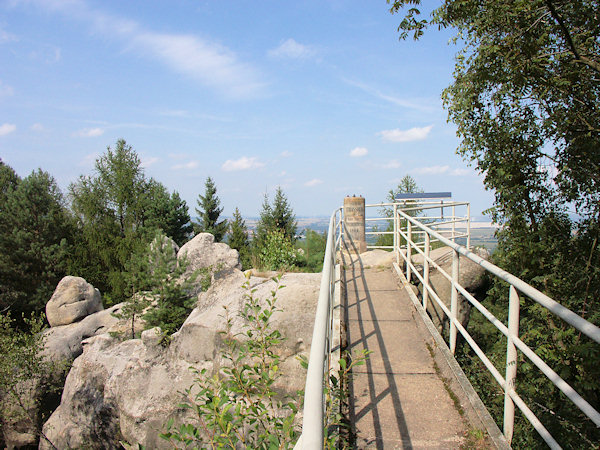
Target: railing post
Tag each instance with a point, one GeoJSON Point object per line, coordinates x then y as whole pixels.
{"type": "Point", "coordinates": [426, 272]}
{"type": "Point", "coordinates": [468, 226]}
{"type": "Point", "coordinates": [454, 224]}
{"type": "Point", "coordinates": [511, 363]}
{"type": "Point", "coordinates": [408, 248]}
{"type": "Point", "coordinates": [454, 301]}
{"type": "Point", "coordinates": [396, 249]}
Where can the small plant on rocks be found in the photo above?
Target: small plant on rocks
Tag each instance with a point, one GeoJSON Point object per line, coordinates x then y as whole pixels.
{"type": "Point", "coordinates": [238, 407]}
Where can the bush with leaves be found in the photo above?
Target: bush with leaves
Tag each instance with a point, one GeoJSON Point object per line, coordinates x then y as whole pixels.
{"type": "Point", "coordinates": [311, 251]}
{"type": "Point", "coordinates": [26, 377]}
{"type": "Point", "coordinates": [277, 252]}
{"type": "Point", "coordinates": [238, 407]}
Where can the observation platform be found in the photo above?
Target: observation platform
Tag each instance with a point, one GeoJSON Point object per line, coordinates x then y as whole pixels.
{"type": "Point", "coordinates": [406, 395]}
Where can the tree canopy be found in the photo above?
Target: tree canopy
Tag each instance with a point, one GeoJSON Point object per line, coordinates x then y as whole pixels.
{"type": "Point", "coordinates": [35, 237]}
{"type": "Point", "coordinates": [118, 210]}
{"type": "Point", "coordinates": [526, 101]}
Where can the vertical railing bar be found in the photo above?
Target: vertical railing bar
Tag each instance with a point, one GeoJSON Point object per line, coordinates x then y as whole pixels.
{"type": "Point", "coordinates": [426, 272]}
{"type": "Point", "coordinates": [454, 300]}
{"type": "Point", "coordinates": [511, 363]}
{"type": "Point", "coordinates": [408, 249]}
{"type": "Point", "coordinates": [453, 224]}
{"type": "Point", "coordinates": [468, 226]}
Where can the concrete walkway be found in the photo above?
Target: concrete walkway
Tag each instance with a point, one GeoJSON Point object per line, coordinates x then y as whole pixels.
{"type": "Point", "coordinates": [399, 398]}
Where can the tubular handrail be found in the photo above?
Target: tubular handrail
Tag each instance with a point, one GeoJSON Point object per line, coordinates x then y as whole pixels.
{"type": "Point", "coordinates": [511, 331]}
{"type": "Point", "coordinates": [318, 362]}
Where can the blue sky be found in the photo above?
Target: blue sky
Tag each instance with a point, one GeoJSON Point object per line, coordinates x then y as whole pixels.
{"type": "Point", "coordinates": [318, 97]}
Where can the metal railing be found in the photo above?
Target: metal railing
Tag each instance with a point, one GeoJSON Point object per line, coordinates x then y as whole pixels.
{"type": "Point", "coordinates": [422, 246]}
{"type": "Point", "coordinates": [451, 219]}
{"type": "Point", "coordinates": [325, 342]}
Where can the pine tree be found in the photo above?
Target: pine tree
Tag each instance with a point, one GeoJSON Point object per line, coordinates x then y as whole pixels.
{"type": "Point", "coordinates": [35, 235]}
{"type": "Point", "coordinates": [279, 216]}
{"type": "Point", "coordinates": [276, 228]}
{"type": "Point", "coordinates": [238, 238]}
{"type": "Point", "coordinates": [209, 213]}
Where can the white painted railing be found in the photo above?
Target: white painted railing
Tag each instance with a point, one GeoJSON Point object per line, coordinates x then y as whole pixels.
{"type": "Point", "coordinates": [325, 342]}
{"type": "Point", "coordinates": [426, 234]}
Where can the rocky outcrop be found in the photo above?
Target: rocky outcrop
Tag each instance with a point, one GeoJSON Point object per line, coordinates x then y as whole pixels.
{"type": "Point", "coordinates": [203, 252]}
{"type": "Point", "coordinates": [73, 299]}
{"type": "Point", "coordinates": [470, 277]}
{"type": "Point", "coordinates": [128, 390]}
{"type": "Point", "coordinates": [65, 342]}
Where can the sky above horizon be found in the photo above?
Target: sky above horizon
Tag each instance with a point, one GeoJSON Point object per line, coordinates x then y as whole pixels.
{"type": "Point", "coordinates": [318, 97]}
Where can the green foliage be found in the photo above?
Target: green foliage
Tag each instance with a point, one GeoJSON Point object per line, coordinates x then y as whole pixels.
{"type": "Point", "coordinates": [157, 289]}
{"type": "Point", "coordinates": [238, 238]}
{"type": "Point", "coordinates": [278, 216]}
{"type": "Point", "coordinates": [117, 209]}
{"type": "Point", "coordinates": [277, 226]}
{"type": "Point", "coordinates": [311, 251]}
{"type": "Point", "coordinates": [238, 408]}
{"type": "Point", "coordinates": [168, 212]}
{"type": "Point", "coordinates": [277, 252]}
{"type": "Point", "coordinates": [23, 372]}
{"type": "Point", "coordinates": [209, 213]}
{"type": "Point", "coordinates": [526, 102]}
{"type": "Point", "coordinates": [35, 236]}
{"type": "Point", "coordinates": [407, 185]}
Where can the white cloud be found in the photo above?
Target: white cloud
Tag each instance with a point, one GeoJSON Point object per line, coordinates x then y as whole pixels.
{"type": "Point", "coordinates": [243, 163]}
{"type": "Point", "coordinates": [212, 65]}
{"type": "Point", "coordinates": [432, 170]}
{"type": "Point", "coordinates": [147, 162]}
{"type": "Point", "coordinates": [89, 159]}
{"type": "Point", "coordinates": [208, 63]}
{"type": "Point", "coordinates": [314, 182]}
{"type": "Point", "coordinates": [417, 104]}
{"type": "Point", "coordinates": [38, 127]}
{"type": "Point", "coordinates": [412, 134]}
{"type": "Point", "coordinates": [283, 173]}
{"type": "Point", "coordinates": [6, 90]}
{"type": "Point", "coordinates": [439, 170]}
{"type": "Point", "coordinates": [89, 132]}
{"type": "Point", "coordinates": [358, 152]}
{"type": "Point", "coordinates": [186, 166]}
{"type": "Point", "coordinates": [286, 154]}
{"type": "Point", "coordinates": [5, 37]}
{"type": "Point", "coordinates": [292, 49]}
{"type": "Point", "coordinates": [393, 164]}
{"type": "Point", "coordinates": [460, 172]}
{"type": "Point", "coordinates": [7, 128]}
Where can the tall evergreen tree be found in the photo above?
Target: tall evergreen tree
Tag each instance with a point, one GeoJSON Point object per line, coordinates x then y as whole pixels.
{"type": "Point", "coordinates": [35, 235]}
{"type": "Point", "coordinates": [168, 212]}
{"type": "Point", "coordinates": [238, 238]}
{"type": "Point", "coordinates": [276, 217]}
{"type": "Point", "coordinates": [118, 210]}
{"type": "Point", "coordinates": [209, 212]}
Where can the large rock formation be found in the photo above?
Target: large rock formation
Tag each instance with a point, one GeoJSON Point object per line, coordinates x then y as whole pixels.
{"type": "Point", "coordinates": [470, 277]}
{"type": "Point", "coordinates": [127, 390]}
{"type": "Point", "coordinates": [73, 299]}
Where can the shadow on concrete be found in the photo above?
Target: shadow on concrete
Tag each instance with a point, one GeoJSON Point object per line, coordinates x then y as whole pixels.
{"type": "Point", "coordinates": [358, 296]}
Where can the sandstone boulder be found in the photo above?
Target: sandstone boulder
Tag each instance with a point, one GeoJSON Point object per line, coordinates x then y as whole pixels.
{"type": "Point", "coordinates": [202, 252]}
{"type": "Point", "coordinates": [73, 299]}
{"type": "Point", "coordinates": [65, 341]}
{"type": "Point", "coordinates": [128, 390]}
{"type": "Point", "coordinates": [471, 277]}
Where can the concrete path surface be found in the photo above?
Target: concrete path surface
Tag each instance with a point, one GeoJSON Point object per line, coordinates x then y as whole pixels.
{"type": "Point", "coordinates": [400, 398]}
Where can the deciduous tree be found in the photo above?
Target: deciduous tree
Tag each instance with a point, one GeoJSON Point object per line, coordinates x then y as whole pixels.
{"type": "Point", "coordinates": [526, 103]}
